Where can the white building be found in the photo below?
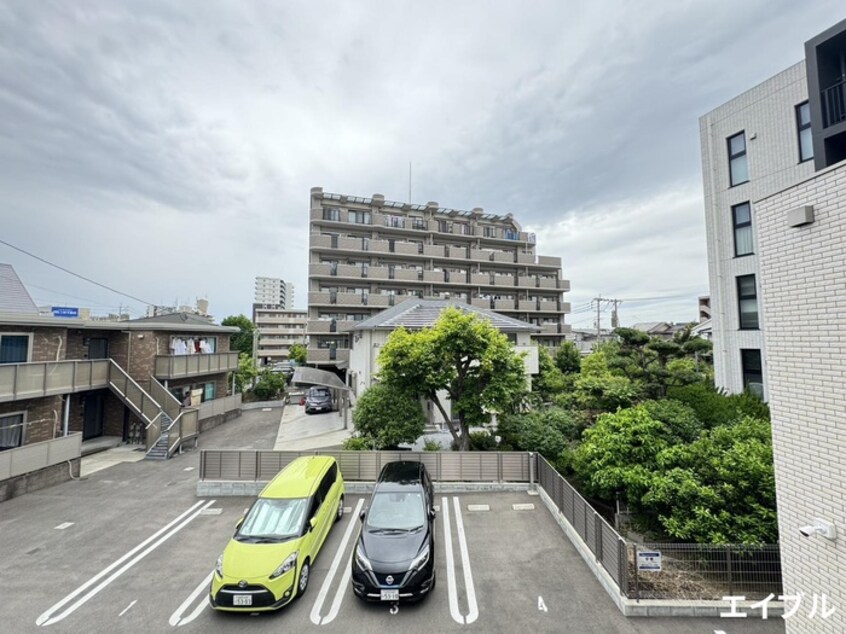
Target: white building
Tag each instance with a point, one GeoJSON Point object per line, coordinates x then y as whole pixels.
{"type": "Point", "coordinates": [775, 192]}
{"type": "Point", "coordinates": [370, 335]}
{"type": "Point", "coordinates": [278, 329]}
{"type": "Point", "coordinates": [274, 291]}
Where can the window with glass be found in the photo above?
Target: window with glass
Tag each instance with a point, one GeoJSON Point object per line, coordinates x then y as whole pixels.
{"type": "Point", "coordinates": [359, 217]}
{"type": "Point", "coordinates": [753, 373]}
{"type": "Point", "coordinates": [14, 348]}
{"type": "Point", "coordinates": [490, 232]}
{"type": "Point", "coordinates": [332, 213]}
{"type": "Point", "coordinates": [803, 127]}
{"type": "Point", "coordinates": [747, 297]}
{"type": "Point", "coordinates": [742, 220]}
{"type": "Point", "coordinates": [738, 168]}
{"type": "Point", "coordinates": [11, 431]}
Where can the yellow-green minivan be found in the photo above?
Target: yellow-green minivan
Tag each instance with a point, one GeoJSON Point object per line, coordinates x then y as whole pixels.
{"type": "Point", "coordinates": [268, 560]}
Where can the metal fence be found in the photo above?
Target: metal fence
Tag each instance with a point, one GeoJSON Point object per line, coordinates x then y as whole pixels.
{"type": "Point", "coordinates": [39, 455]}
{"type": "Point", "coordinates": [706, 572]}
{"type": "Point", "coordinates": [481, 466]}
{"type": "Point", "coordinates": [607, 545]}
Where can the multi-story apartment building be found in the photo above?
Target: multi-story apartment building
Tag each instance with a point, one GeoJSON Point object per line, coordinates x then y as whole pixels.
{"type": "Point", "coordinates": [273, 291]}
{"type": "Point", "coordinates": [278, 329]}
{"type": "Point", "coordinates": [366, 254]}
{"type": "Point", "coordinates": [774, 162]}
{"type": "Point", "coordinates": [752, 146]}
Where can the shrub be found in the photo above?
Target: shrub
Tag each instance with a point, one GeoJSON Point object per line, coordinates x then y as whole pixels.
{"type": "Point", "coordinates": [269, 386]}
{"type": "Point", "coordinates": [431, 445]}
{"type": "Point", "coordinates": [482, 441]}
{"type": "Point", "coordinates": [388, 417]}
{"type": "Point", "coordinates": [680, 420]}
{"type": "Point", "coordinates": [357, 443]}
{"type": "Point", "coordinates": [711, 406]}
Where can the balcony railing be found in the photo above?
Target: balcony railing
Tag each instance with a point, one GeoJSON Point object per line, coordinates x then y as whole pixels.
{"type": "Point", "coordinates": [39, 455]}
{"type": "Point", "coordinates": [834, 104]}
{"type": "Point", "coordinates": [181, 366]}
{"type": "Point", "coordinates": [35, 380]}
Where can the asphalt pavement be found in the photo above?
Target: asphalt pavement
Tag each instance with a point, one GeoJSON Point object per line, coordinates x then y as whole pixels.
{"type": "Point", "coordinates": [131, 548]}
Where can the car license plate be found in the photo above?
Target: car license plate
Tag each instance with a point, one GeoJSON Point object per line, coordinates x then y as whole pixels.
{"type": "Point", "coordinates": [390, 595]}
{"type": "Point", "coordinates": [242, 599]}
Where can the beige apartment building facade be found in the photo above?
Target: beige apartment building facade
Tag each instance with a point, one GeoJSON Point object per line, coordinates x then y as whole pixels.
{"type": "Point", "coordinates": [368, 254]}
{"type": "Point", "coordinates": [278, 330]}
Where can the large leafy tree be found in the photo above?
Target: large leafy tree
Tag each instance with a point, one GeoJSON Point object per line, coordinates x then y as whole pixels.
{"type": "Point", "coordinates": [386, 418]}
{"type": "Point", "coordinates": [464, 356]}
{"type": "Point", "coordinates": [241, 341]}
{"type": "Point", "coordinates": [297, 353]}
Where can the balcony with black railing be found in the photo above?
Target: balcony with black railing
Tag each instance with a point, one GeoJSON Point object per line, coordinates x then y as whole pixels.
{"type": "Point", "coordinates": [833, 103]}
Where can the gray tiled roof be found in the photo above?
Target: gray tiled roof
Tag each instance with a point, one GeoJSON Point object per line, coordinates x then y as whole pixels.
{"type": "Point", "coordinates": [415, 314]}
{"type": "Point", "coordinates": [14, 297]}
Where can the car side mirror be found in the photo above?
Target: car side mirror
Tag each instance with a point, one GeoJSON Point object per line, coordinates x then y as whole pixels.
{"type": "Point", "coordinates": [362, 515]}
{"type": "Point", "coordinates": [312, 523]}
{"type": "Point", "coordinates": [431, 513]}
{"type": "Point", "coordinates": [239, 523]}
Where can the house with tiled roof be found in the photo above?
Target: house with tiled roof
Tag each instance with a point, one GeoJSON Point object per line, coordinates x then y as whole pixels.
{"type": "Point", "coordinates": [370, 335]}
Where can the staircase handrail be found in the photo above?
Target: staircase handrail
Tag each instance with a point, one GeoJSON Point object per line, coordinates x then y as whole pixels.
{"type": "Point", "coordinates": [144, 395]}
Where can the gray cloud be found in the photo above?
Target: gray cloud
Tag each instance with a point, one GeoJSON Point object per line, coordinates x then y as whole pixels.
{"type": "Point", "coordinates": [168, 148]}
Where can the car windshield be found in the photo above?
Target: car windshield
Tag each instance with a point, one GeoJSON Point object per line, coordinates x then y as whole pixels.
{"type": "Point", "coordinates": [396, 510]}
{"type": "Point", "coordinates": [319, 394]}
{"type": "Point", "coordinates": [273, 520]}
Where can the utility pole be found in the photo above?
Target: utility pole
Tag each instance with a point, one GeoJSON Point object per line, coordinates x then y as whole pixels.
{"type": "Point", "coordinates": [615, 323]}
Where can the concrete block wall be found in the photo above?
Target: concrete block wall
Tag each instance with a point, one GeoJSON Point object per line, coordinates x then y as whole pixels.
{"type": "Point", "coordinates": [766, 114]}
{"type": "Point", "coordinates": [803, 280]}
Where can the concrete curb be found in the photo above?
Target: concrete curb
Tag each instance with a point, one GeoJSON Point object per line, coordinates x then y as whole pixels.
{"type": "Point", "coordinates": [262, 404]}
{"type": "Point", "coordinates": [650, 607]}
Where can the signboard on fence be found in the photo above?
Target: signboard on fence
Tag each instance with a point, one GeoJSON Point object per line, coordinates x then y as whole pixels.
{"type": "Point", "coordinates": [648, 561]}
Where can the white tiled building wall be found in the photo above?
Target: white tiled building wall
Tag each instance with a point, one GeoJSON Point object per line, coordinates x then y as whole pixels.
{"type": "Point", "coordinates": [803, 279]}
{"type": "Point", "coordinates": [766, 114]}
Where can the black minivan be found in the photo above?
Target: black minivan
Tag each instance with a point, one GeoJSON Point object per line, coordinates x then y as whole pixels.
{"type": "Point", "coordinates": [395, 551]}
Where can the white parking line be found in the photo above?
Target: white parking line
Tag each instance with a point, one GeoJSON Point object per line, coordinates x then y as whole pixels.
{"type": "Point", "coordinates": [176, 618]}
{"type": "Point", "coordinates": [157, 539]}
{"type": "Point", "coordinates": [469, 588]}
{"type": "Point", "coordinates": [333, 569]}
{"type": "Point", "coordinates": [450, 565]}
{"type": "Point", "coordinates": [126, 609]}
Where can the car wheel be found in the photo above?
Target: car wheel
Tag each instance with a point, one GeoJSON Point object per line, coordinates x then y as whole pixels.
{"type": "Point", "coordinates": [302, 583]}
{"type": "Point", "coordinates": [340, 512]}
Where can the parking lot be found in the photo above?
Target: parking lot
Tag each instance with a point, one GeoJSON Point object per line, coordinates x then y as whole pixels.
{"type": "Point", "coordinates": [131, 549]}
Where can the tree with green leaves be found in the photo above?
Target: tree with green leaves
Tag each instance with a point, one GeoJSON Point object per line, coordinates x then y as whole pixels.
{"type": "Point", "coordinates": [568, 358]}
{"type": "Point", "coordinates": [270, 385]}
{"type": "Point", "coordinates": [387, 418]}
{"type": "Point", "coordinates": [598, 389]}
{"type": "Point", "coordinates": [246, 372]}
{"type": "Point", "coordinates": [297, 353]}
{"type": "Point", "coordinates": [241, 341]}
{"type": "Point", "coordinates": [464, 356]}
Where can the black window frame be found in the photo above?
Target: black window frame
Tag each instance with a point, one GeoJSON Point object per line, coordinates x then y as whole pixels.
{"type": "Point", "coordinates": [734, 157]}
{"type": "Point", "coordinates": [747, 369]}
{"type": "Point", "coordinates": [742, 225]}
{"type": "Point", "coordinates": [741, 297]}
{"type": "Point", "coordinates": [17, 335]}
{"type": "Point", "coordinates": [801, 127]}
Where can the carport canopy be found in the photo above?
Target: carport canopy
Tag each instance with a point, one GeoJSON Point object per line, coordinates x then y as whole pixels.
{"type": "Point", "coordinates": [313, 376]}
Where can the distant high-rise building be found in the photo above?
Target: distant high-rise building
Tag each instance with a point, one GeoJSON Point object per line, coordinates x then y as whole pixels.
{"type": "Point", "coordinates": [367, 254]}
{"type": "Point", "coordinates": [273, 291]}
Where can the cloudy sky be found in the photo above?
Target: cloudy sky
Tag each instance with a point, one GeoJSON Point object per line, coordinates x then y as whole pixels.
{"type": "Point", "coordinates": [167, 149]}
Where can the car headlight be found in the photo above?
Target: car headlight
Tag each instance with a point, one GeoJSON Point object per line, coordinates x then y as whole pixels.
{"type": "Point", "coordinates": [361, 560]}
{"type": "Point", "coordinates": [421, 559]}
{"type": "Point", "coordinates": [218, 567]}
{"type": "Point", "coordinates": [289, 563]}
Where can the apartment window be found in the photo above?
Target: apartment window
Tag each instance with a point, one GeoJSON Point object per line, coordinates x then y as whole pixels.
{"type": "Point", "coordinates": [418, 223]}
{"type": "Point", "coordinates": [490, 232]}
{"type": "Point", "coordinates": [753, 374]}
{"type": "Point", "coordinates": [747, 298]}
{"type": "Point", "coordinates": [359, 217]}
{"type": "Point", "coordinates": [803, 127]}
{"type": "Point", "coordinates": [332, 213]}
{"type": "Point", "coordinates": [443, 226]}
{"type": "Point", "coordinates": [398, 222]}
{"type": "Point", "coordinates": [14, 348]}
{"type": "Point", "coordinates": [738, 169]}
{"type": "Point", "coordinates": [11, 431]}
{"type": "Point", "coordinates": [742, 220]}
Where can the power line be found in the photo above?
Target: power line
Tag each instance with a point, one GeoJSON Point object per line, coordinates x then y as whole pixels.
{"type": "Point", "coordinates": [82, 277]}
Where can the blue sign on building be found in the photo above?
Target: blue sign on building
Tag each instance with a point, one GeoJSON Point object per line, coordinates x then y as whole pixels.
{"type": "Point", "coordinates": [65, 311]}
